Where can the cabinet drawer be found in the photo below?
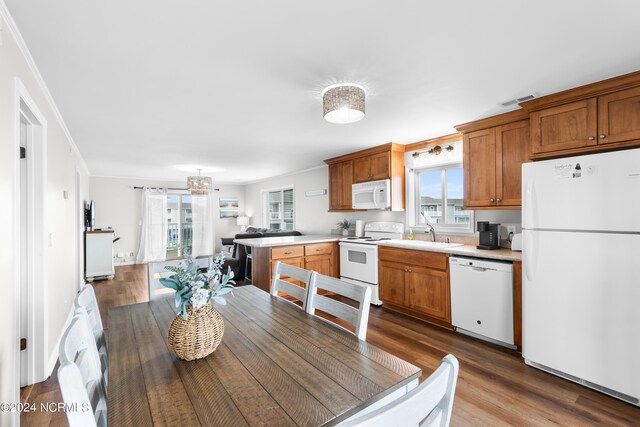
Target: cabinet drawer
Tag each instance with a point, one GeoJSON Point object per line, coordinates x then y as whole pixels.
{"type": "Point", "coordinates": [282, 252]}
{"type": "Point", "coordinates": [318, 249]}
{"type": "Point", "coordinates": [407, 256]}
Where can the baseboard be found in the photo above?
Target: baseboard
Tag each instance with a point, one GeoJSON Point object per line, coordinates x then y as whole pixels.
{"type": "Point", "coordinates": [53, 357]}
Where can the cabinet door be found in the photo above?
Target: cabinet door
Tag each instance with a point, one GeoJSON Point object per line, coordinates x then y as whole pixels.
{"type": "Point", "coordinates": [567, 126]}
{"type": "Point", "coordinates": [380, 166]}
{"type": "Point", "coordinates": [512, 150]}
{"type": "Point", "coordinates": [479, 168]}
{"type": "Point", "coordinates": [619, 116]}
{"type": "Point", "coordinates": [391, 284]}
{"type": "Point", "coordinates": [428, 292]}
{"type": "Point", "coordinates": [362, 169]}
{"type": "Point", "coordinates": [321, 263]}
{"type": "Point", "coordinates": [346, 181]}
{"type": "Point", "coordinates": [335, 187]}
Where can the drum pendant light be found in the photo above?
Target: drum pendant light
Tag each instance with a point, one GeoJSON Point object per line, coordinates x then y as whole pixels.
{"type": "Point", "coordinates": [343, 103]}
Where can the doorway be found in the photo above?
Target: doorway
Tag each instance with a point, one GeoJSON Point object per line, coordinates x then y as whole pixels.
{"type": "Point", "coordinates": [31, 358]}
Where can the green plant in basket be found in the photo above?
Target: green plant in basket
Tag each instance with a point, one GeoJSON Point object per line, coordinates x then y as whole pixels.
{"type": "Point", "coordinates": [194, 288]}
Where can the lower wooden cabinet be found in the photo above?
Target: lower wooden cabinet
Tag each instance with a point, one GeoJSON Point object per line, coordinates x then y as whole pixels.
{"type": "Point", "coordinates": [321, 257]}
{"type": "Point", "coordinates": [416, 283]}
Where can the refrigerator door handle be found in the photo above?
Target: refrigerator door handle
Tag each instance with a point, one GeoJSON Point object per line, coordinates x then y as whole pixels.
{"type": "Point", "coordinates": [529, 209]}
{"type": "Point", "coordinates": [530, 257]}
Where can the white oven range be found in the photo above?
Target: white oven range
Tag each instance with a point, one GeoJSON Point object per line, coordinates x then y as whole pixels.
{"type": "Point", "coordinates": [359, 255]}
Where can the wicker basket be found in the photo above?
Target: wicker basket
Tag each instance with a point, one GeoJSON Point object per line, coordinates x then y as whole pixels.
{"type": "Point", "coordinates": [199, 335]}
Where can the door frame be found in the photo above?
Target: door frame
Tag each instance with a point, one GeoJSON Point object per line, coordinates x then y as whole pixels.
{"type": "Point", "coordinates": [37, 354]}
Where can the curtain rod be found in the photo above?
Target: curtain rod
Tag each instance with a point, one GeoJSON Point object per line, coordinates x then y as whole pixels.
{"type": "Point", "coordinates": [172, 189]}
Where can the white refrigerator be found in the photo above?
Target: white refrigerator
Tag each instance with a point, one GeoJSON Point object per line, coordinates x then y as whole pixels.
{"type": "Point", "coordinates": [581, 270]}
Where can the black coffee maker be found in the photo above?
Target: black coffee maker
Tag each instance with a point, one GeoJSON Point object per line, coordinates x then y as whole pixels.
{"type": "Point", "coordinates": [489, 235]}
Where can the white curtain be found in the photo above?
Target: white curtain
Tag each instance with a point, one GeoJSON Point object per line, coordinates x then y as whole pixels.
{"type": "Point", "coordinates": [203, 240]}
{"type": "Point", "coordinates": [153, 233]}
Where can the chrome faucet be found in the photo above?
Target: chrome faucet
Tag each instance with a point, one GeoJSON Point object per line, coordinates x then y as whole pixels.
{"type": "Point", "coordinates": [431, 231]}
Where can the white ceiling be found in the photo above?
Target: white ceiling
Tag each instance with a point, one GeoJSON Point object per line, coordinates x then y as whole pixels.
{"type": "Point", "coordinates": [146, 85]}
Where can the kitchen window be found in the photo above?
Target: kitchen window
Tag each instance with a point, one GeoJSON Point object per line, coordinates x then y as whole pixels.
{"type": "Point", "coordinates": [180, 231]}
{"type": "Point", "coordinates": [279, 209]}
{"type": "Point", "coordinates": [438, 199]}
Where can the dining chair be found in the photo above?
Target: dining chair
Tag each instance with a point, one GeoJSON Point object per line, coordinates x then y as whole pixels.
{"type": "Point", "coordinates": [86, 300]}
{"type": "Point", "coordinates": [427, 405]}
{"type": "Point", "coordinates": [279, 285]}
{"type": "Point", "coordinates": [80, 377]}
{"type": "Point", "coordinates": [358, 317]}
{"type": "Point", "coordinates": [248, 265]}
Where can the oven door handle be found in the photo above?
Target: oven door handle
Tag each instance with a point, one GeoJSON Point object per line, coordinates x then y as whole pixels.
{"type": "Point", "coordinates": [362, 246]}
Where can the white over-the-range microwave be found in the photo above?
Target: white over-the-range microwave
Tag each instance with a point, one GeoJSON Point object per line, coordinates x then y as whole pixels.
{"type": "Point", "coordinates": [371, 195]}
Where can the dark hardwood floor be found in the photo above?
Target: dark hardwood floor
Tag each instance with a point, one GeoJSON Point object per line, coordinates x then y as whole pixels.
{"type": "Point", "coordinates": [495, 387]}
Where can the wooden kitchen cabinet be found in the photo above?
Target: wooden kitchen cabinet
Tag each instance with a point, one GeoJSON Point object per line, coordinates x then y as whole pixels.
{"type": "Point", "coordinates": [340, 181]}
{"type": "Point", "coordinates": [321, 257]}
{"type": "Point", "coordinates": [391, 276]}
{"type": "Point", "coordinates": [373, 167]}
{"type": "Point", "coordinates": [619, 116]}
{"type": "Point", "coordinates": [415, 283]}
{"type": "Point", "coordinates": [428, 292]}
{"type": "Point", "coordinates": [492, 163]}
{"type": "Point", "coordinates": [382, 162]}
{"type": "Point", "coordinates": [566, 126]}
{"type": "Point", "coordinates": [601, 116]}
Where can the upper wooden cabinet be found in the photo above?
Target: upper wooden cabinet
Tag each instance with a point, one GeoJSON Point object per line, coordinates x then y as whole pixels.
{"type": "Point", "coordinates": [619, 116]}
{"type": "Point", "coordinates": [382, 162]}
{"type": "Point", "coordinates": [340, 181]}
{"type": "Point", "coordinates": [597, 117]}
{"type": "Point", "coordinates": [373, 167]}
{"type": "Point", "coordinates": [492, 161]}
{"type": "Point", "coordinates": [572, 125]}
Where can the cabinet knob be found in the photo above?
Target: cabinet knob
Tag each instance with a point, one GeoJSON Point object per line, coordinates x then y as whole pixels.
{"type": "Point", "coordinates": [491, 200]}
{"type": "Point", "coordinates": [603, 136]}
{"type": "Point", "coordinates": [591, 138]}
{"type": "Point", "coordinates": [498, 200]}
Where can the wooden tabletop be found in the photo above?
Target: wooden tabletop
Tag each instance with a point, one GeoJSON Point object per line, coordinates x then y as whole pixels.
{"type": "Point", "coordinates": [276, 366]}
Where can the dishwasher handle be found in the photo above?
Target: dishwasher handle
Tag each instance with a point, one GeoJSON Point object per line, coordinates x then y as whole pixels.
{"type": "Point", "coordinates": [480, 269]}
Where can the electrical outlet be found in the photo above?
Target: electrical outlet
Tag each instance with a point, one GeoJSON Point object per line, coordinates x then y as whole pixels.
{"type": "Point", "coordinates": [130, 253]}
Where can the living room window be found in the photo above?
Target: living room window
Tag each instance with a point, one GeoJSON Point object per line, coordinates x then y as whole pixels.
{"type": "Point", "coordinates": [279, 209]}
{"type": "Point", "coordinates": [179, 226]}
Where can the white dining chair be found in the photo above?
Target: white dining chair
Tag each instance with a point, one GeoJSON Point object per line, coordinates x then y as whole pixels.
{"type": "Point", "coordinates": [279, 285]}
{"type": "Point", "coordinates": [80, 377]}
{"type": "Point", "coordinates": [358, 317]}
{"type": "Point", "coordinates": [428, 405]}
{"type": "Point", "coordinates": [86, 300]}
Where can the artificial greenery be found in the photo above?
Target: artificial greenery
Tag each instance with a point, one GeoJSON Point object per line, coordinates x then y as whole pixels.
{"type": "Point", "coordinates": [344, 224]}
{"type": "Point", "coordinates": [194, 288]}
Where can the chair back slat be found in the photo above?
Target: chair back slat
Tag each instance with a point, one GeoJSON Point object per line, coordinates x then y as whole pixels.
{"type": "Point", "coordinates": [278, 285]}
{"type": "Point", "coordinates": [430, 404]}
{"type": "Point", "coordinates": [80, 374]}
{"type": "Point", "coordinates": [358, 317]}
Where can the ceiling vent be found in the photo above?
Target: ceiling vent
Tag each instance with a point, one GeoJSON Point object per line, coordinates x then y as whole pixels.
{"type": "Point", "coordinates": [517, 100]}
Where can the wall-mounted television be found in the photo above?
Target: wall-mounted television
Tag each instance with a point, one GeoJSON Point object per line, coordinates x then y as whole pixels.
{"type": "Point", "coordinates": [90, 215]}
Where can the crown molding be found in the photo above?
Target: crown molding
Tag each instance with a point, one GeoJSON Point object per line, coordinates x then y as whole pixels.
{"type": "Point", "coordinates": [22, 46]}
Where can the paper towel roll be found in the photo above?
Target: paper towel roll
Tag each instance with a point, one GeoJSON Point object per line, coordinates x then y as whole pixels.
{"type": "Point", "coordinates": [359, 228]}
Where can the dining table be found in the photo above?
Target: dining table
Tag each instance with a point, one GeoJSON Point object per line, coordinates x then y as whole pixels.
{"type": "Point", "coordinates": [276, 366]}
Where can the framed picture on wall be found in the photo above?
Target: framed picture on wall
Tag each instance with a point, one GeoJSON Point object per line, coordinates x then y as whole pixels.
{"type": "Point", "coordinates": [229, 207]}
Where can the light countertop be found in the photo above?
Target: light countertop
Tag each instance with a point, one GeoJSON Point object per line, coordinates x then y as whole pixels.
{"type": "Point", "coordinates": [267, 242]}
{"type": "Point", "coordinates": [465, 250]}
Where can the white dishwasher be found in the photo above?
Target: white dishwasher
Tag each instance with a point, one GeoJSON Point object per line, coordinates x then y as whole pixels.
{"type": "Point", "coordinates": [482, 298]}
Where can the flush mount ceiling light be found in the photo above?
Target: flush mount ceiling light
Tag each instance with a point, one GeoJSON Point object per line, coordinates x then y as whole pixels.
{"type": "Point", "coordinates": [343, 103]}
{"type": "Point", "coordinates": [199, 184]}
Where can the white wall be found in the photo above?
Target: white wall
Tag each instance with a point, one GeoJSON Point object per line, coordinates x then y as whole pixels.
{"type": "Point", "coordinates": [311, 213]}
{"type": "Point", "coordinates": [118, 206]}
{"type": "Point", "coordinates": [59, 214]}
